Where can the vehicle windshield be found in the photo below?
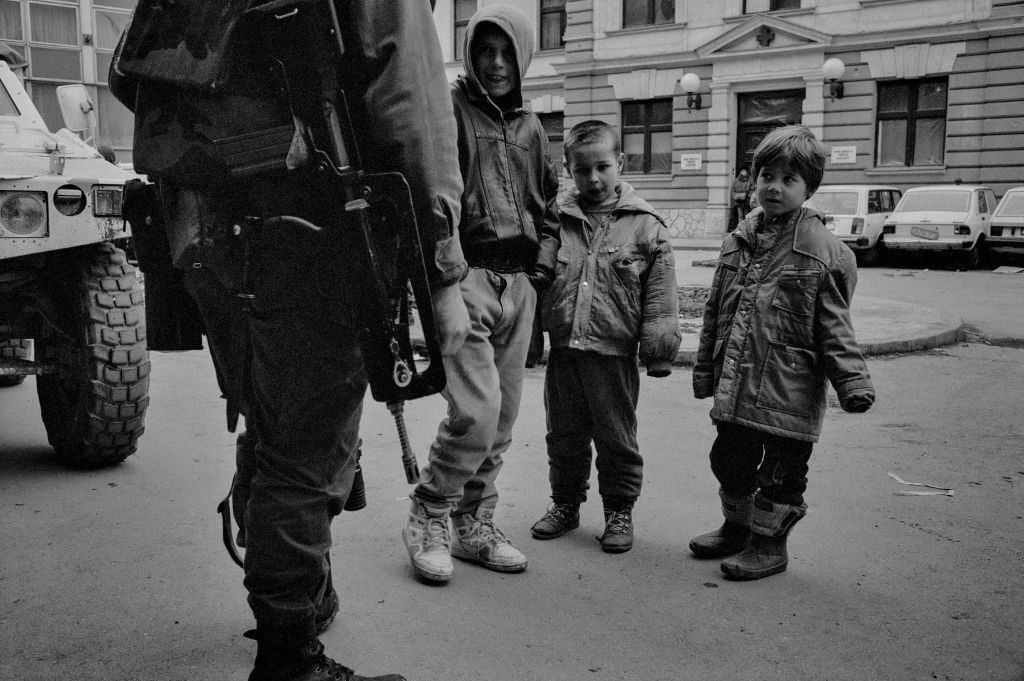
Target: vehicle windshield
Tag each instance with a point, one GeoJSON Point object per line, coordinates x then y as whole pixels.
{"type": "Point", "coordinates": [834, 203]}
{"type": "Point", "coordinates": [1013, 206]}
{"type": "Point", "coordinates": [7, 107]}
{"type": "Point", "coordinates": [939, 201]}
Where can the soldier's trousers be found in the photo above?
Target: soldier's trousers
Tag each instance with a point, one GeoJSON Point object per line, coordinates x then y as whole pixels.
{"type": "Point", "coordinates": [306, 388]}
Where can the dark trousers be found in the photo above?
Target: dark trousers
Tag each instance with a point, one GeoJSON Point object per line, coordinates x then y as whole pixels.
{"type": "Point", "coordinates": [296, 462]}
{"type": "Point", "coordinates": [745, 461]}
{"type": "Point", "coordinates": [592, 398]}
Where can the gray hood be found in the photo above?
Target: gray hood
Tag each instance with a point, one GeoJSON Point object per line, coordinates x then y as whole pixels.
{"type": "Point", "coordinates": [513, 22]}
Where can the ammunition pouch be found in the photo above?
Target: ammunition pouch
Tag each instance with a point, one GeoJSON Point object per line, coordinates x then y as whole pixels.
{"type": "Point", "coordinates": [172, 319]}
{"type": "Point", "coordinates": [209, 110]}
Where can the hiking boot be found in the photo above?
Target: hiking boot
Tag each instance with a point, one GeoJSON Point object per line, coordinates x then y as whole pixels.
{"type": "Point", "coordinates": [618, 531]}
{"type": "Point", "coordinates": [478, 540]}
{"type": "Point", "coordinates": [763, 557]}
{"type": "Point", "coordinates": [559, 519]}
{"type": "Point", "coordinates": [730, 538]}
{"type": "Point", "coordinates": [307, 663]}
{"type": "Point", "coordinates": [428, 539]}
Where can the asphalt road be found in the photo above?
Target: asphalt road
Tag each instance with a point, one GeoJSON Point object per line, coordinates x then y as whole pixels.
{"type": "Point", "coordinates": [119, 574]}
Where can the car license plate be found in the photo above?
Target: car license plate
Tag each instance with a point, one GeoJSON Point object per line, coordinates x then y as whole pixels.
{"type": "Point", "coordinates": [924, 232]}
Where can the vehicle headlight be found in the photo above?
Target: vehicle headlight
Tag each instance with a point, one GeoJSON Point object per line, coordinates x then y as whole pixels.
{"type": "Point", "coordinates": [106, 202]}
{"type": "Point", "coordinates": [23, 214]}
{"type": "Point", "coordinates": [69, 200]}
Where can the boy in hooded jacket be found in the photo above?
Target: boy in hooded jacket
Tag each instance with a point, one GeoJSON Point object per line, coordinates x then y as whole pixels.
{"type": "Point", "coordinates": [777, 325]}
{"type": "Point", "coordinates": [509, 234]}
{"type": "Point", "coordinates": [614, 290]}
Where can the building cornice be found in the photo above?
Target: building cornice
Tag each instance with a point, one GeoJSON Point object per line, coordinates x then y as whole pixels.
{"type": "Point", "coordinates": [974, 30]}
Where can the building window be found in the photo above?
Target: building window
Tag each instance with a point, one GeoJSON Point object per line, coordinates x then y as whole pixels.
{"type": "Point", "coordinates": [115, 121]}
{"type": "Point", "coordinates": [647, 12]}
{"type": "Point", "coordinates": [552, 24]}
{"type": "Point", "coordinates": [911, 123]}
{"type": "Point", "coordinates": [757, 6]}
{"type": "Point", "coordinates": [554, 124]}
{"type": "Point", "coordinates": [47, 36]}
{"type": "Point", "coordinates": [647, 137]}
{"type": "Point", "coordinates": [464, 10]}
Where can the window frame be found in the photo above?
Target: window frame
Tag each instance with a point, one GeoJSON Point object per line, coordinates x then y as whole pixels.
{"type": "Point", "coordinates": [559, 10]}
{"type": "Point", "coordinates": [772, 7]}
{"type": "Point", "coordinates": [652, 14]}
{"type": "Point", "coordinates": [456, 25]}
{"type": "Point", "coordinates": [647, 129]}
{"type": "Point", "coordinates": [911, 116]}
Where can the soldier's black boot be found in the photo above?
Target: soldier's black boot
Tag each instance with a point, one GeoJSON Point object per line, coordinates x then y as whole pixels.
{"type": "Point", "coordinates": [766, 553]}
{"type": "Point", "coordinates": [291, 654]}
{"type": "Point", "coordinates": [734, 534]}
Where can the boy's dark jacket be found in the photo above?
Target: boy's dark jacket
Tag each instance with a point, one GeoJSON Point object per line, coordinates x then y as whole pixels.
{"type": "Point", "coordinates": [616, 286]}
{"type": "Point", "coordinates": [776, 328]}
{"type": "Point", "coordinates": [509, 206]}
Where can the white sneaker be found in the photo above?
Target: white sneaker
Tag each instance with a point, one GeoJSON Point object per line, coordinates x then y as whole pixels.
{"type": "Point", "coordinates": [478, 540]}
{"type": "Point", "coordinates": [428, 539]}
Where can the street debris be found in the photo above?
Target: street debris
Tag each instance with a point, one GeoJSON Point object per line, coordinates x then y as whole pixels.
{"type": "Point", "coordinates": [936, 491]}
{"type": "Point", "coordinates": [1008, 269]}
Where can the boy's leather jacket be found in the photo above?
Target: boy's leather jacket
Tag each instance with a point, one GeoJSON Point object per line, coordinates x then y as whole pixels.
{"type": "Point", "coordinates": [778, 325]}
{"type": "Point", "coordinates": [615, 286]}
{"type": "Point", "coordinates": [509, 205]}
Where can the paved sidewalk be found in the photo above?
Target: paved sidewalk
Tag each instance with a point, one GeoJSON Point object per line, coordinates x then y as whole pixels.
{"type": "Point", "coordinates": [883, 326]}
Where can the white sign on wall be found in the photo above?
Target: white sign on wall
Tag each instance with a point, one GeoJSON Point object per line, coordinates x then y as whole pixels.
{"type": "Point", "coordinates": [844, 155]}
{"type": "Point", "coordinates": [690, 161]}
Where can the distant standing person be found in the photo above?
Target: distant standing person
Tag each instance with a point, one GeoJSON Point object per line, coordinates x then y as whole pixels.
{"type": "Point", "coordinates": [614, 290]}
{"type": "Point", "coordinates": [777, 325]}
{"type": "Point", "coordinates": [740, 193]}
{"type": "Point", "coordinates": [509, 234]}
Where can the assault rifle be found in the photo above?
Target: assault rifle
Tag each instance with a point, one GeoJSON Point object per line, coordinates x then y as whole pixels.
{"type": "Point", "coordinates": [388, 261]}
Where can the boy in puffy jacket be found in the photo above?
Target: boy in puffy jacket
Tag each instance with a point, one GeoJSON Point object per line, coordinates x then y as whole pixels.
{"type": "Point", "coordinates": [777, 325]}
{"type": "Point", "coordinates": [614, 289]}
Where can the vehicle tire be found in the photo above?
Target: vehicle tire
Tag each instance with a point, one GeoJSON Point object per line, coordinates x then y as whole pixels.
{"type": "Point", "coordinates": [18, 348]}
{"type": "Point", "coordinates": [970, 259]}
{"type": "Point", "coordinates": [94, 407]}
{"type": "Point", "coordinates": [870, 257]}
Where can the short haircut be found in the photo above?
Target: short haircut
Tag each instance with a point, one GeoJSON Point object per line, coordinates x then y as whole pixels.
{"type": "Point", "coordinates": [591, 132]}
{"type": "Point", "coordinates": [795, 146]}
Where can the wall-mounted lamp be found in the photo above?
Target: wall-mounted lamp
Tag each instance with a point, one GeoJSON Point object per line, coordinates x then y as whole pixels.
{"type": "Point", "coordinates": [691, 83]}
{"type": "Point", "coordinates": [833, 70]}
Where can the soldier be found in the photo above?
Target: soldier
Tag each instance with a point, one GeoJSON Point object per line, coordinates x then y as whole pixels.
{"type": "Point", "coordinates": [205, 81]}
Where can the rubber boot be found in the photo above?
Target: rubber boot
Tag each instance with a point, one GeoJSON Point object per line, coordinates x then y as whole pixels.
{"type": "Point", "coordinates": [766, 554]}
{"type": "Point", "coordinates": [734, 534]}
{"type": "Point", "coordinates": [294, 654]}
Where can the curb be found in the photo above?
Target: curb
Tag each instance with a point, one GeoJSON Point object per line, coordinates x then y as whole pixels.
{"type": "Point", "coordinates": [950, 336]}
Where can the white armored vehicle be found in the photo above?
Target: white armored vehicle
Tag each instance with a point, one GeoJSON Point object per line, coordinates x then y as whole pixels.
{"type": "Point", "coordinates": [67, 288]}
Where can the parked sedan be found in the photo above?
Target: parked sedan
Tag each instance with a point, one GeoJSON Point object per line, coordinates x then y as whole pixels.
{"type": "Point", "coordinates": [1007, 230]}
{"type": "Point", "coordinates": [855, 213]}
{"type": "Point", "coordinates": [952, 218]}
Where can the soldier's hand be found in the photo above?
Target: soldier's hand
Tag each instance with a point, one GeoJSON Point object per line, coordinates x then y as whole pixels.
{"type": "Point", "coordinates": [452, 318]}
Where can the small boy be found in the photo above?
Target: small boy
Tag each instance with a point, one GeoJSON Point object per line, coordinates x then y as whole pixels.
{"type": "Point", "coordinates": [776, 326]}
{"type": "Point", "coordinates": [614, 288]}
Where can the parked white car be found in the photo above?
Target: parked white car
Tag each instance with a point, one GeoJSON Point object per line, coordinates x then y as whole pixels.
{"type": "Point", "coordinates": [950, 218]}
{"type": "Point", "coordinates": [1007, 228]}
{"type": "Point", "coordinates": [855, 213]}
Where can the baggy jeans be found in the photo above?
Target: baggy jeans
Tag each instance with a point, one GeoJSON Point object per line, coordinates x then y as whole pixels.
{"type": "Point", "coordinates": [484, 384]}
